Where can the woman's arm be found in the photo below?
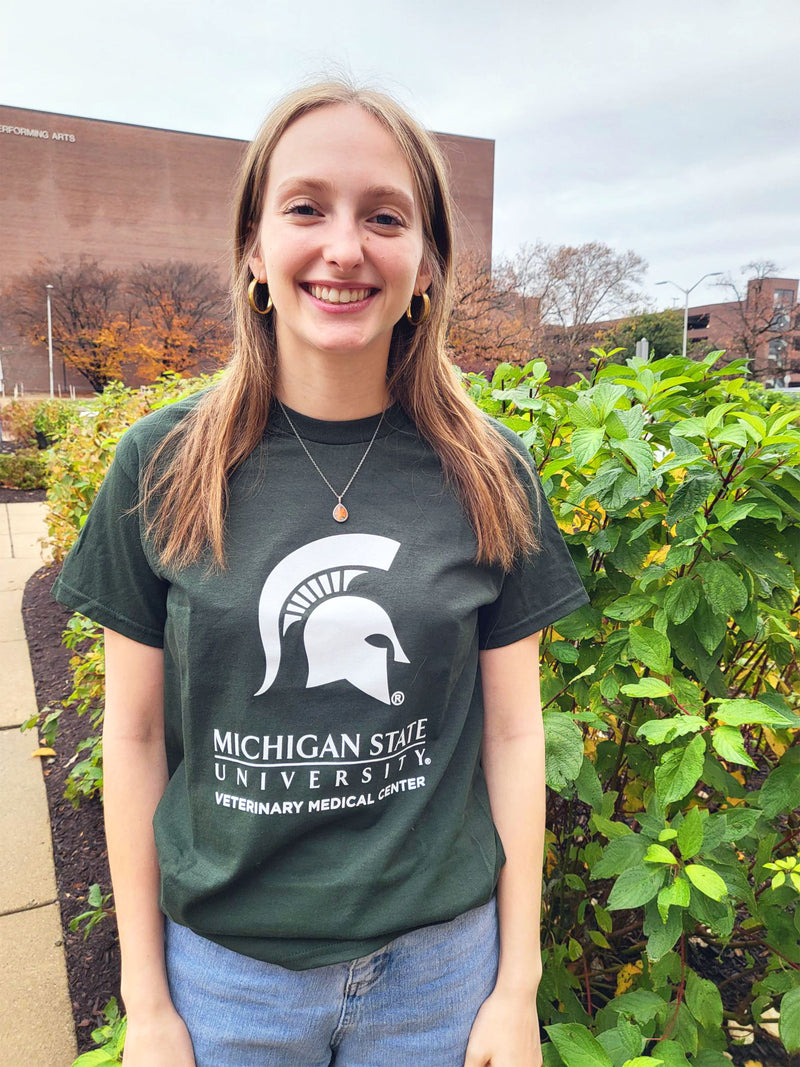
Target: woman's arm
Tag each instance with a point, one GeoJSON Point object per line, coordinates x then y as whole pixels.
{"type": "Point", "coordinates": [506, 1030]}
{"type": "Point", "coordinates": [134, 778]}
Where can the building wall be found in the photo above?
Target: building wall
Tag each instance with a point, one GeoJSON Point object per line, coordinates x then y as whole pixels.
{"type": "Point", "coordinates": [765, 326]}
{"type": "Point", "coordinates": [126, 194]}
{"type": "Point", "coordinates": [767, 323]}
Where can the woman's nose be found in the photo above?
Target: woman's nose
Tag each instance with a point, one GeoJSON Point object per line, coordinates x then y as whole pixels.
{"type": "Point", "coordinates": [343, 247]}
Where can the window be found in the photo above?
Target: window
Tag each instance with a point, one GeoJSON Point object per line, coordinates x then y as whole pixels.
{"type": "Point", "coordinates": [783, 298]}
{"type": "Point", "coordinates": [779, 321]}
{"type": "Point", "coordinates": [697, 322]}
{"type": "Point", "coordinates": [777, 348]}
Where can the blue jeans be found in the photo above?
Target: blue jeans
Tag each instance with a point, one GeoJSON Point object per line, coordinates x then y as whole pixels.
{"type": "Point", "coordinates": [412, 1002]}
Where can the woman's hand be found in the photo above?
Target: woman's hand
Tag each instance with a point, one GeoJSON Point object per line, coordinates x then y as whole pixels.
{"type": "Point", "coordinates": [158, 1039]}
{"type": "Point", "coordinates": [505, 1033]}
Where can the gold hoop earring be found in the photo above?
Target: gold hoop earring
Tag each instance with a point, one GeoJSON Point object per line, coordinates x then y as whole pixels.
{"type": "Point", "coordinates": [426, 310]}
{"type": "Point", "coordinates": [251, 296]}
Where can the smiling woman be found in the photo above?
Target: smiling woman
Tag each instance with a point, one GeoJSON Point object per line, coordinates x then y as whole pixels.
{"type": "Point", "coordinates": [327, 903]}
{"type": "Point", "coordinates": [342, 253]}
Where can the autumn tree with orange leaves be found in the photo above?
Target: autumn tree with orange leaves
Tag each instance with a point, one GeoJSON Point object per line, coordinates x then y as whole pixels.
{"type": "Point", "coordinates": [492, 321]}
{"type": "Point", "coordinates": [112, 324]}
{"type": "Point", "coordinates": [179, 312]}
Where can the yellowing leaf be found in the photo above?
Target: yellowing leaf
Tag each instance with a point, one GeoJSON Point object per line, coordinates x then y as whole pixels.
{"type": "Point", "coordinates": [43, 752]}
{"type": "Point", "coordinates": [778, 747]}
{"type": "Point", "coordinates": [626, 977]}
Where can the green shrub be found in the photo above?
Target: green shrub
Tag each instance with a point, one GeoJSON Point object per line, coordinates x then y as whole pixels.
{"type": "Point", "coordinates": [17, 421]}
{"type": "Point", "coordinates": [24, 420]}
{"type": "Point", "coordinates": [24, 469]}
{"type": "Point", "coordinates": [670, 706]}
{"type": "Point", "coordinates": [52, 418]}
{"type": "Point", "coordinates": [78, 462]}
{"type": "Point", "coordinates": [670, 703]}
{"type": "Point", "coordinates": [110, 1039]}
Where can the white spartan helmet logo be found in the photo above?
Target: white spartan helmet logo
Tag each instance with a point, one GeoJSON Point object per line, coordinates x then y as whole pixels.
{"type": "Point", "coordinates": [312, 583]}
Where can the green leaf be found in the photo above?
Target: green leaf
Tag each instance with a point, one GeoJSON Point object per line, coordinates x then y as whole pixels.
{"type": "Point", "coordinates": [97, 1057]}
{"type": "Point", "coordinates": [650, 648]}
{"type": "Point", "coordinates": [640, 454]}
{"type": "Point", "coordinates": [688, 694]}
{"type": "Point", "coordinates": [704, 1001]}
{"type": "Point", "coordinates": [789, 1025]}
{"type": "Point", "coordinates": [588, 786]}
{"type": "Point", "coordinates": [679, 770]}
{"type": "Point", "coordinates": [635, 887]}
{"type": "Point", "coordinates": [742, 712]}
{"type": "Point", "coordinates": [563, 651]}
{"type": "Point", "coordinates": [641, 1004]}
{"type": "Point", "coordinates": [628, 608]}
{"type": "Point", "coordinates": [724, 588]}
{"type": "Point", "coordinates": [647, 687]}
{"type": "Point", "coordinates": [659, 731]}
{"type": "Point", "coordinates": [585, 445]}
{"type": "Point", "coordinates": [706, 880]}
{"type": "Point", "coordinates": [576, 1046]}
{"type": "Point", "coordinates": [643, 1061]}
{"type": "Point", "coordinates": [729, 744]}
{"type": "Point", "coordinates": [611, 829]}
{"type": "Point", "coordinates": [681, 599]}
{"type": "Point", "coordinates": [739, 822]}
{"type": "Point", "coordinates": [563, 749]}
{"type": "Point", "coordinates": [780, 791]}
{"type": "Point", "coordinates": [690, 495]}
{"type": "Point", "coordinates": [622, 1041]}
{"type": "Point", "coordinates": [690, 833]}
{"type": "Point", "coordinates": [619, 855]}
{"type": "Point", "coordinates": [658, 854]}
{"type": "Point", "coordinates": [678, 894]}
{"type": "Point", "coordinates": [661, 933]}
{"type": "Point", "coordinates": [672, 1054]}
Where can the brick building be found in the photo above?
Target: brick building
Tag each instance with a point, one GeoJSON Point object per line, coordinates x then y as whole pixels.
{"type": "Point", "coordinates": [125, 195]}
{"type": "Point", "coordinates": [764, 327]}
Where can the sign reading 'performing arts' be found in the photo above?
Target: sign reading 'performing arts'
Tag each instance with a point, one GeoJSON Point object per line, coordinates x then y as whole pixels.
{"type": "Point", "coordinates": [43, 135]}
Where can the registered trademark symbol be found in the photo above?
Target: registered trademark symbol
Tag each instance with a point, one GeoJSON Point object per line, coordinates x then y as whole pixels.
{"type": "Point", "coordinates": [427, 761]}
{"type": "Point", "coordinates": [398, 697]}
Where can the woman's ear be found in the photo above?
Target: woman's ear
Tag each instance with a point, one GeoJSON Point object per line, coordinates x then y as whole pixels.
{"type": "Point", "coordinates": [424, 278]}
{"type": "Point", "coordinates": [257, 268]}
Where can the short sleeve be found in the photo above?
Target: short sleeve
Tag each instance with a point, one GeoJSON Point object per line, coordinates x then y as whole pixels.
{"type": "Point", "coordinates": [107, 575]}
{"type": "Point", "coordinates": [543, 587]}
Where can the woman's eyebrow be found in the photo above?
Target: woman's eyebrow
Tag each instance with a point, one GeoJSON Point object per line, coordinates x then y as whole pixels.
{"type": "Point", "coordinates": [390, 192]}
{"type": "Point", "coordinates": [314, 184]}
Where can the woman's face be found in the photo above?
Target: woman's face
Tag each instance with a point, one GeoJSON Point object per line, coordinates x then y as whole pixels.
{"type": "Point", "coordinates": [340, 242]}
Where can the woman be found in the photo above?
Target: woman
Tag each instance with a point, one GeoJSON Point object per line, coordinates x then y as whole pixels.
{"type": "Point", "coordinates": [323, 582]}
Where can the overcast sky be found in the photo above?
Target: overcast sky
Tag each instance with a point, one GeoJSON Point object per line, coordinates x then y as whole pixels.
{"type": "Point", "coordinates": [668, 128]}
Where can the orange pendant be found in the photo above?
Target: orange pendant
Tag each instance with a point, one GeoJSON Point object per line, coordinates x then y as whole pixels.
{"type": "Point", "coordinates": [340, 512]}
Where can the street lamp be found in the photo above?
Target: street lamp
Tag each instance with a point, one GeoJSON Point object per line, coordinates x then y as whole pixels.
{"type": "Point", "coordinates": [713, 274]}
{"type": "Point", "coordinates": [47, 289]}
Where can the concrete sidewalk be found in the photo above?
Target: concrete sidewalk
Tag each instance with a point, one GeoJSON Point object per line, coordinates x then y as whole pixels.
{"type": "Point", "coordinates": [36, 1027]}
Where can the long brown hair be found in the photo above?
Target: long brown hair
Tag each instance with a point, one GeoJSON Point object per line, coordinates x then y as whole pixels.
{"type": "Point", "coordinates": [187, 477]}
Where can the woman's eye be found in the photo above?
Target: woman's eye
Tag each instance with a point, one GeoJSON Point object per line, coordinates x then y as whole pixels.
{"type": "Point", "coordinates": [302, 209]}
{"type": "Point", "coordinates": [385, 219]}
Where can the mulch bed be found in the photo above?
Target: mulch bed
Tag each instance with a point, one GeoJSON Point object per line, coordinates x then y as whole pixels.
{"type": "Point", "coordinates": [81, 859]}
{"type": "Point", "coordinates": [78, 840]}
{"type": "Point", "coordinates": [21, 496]}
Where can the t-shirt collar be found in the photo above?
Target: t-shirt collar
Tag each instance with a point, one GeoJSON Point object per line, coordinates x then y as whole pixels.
{"type": "Point", "coordinates": [350, 431]}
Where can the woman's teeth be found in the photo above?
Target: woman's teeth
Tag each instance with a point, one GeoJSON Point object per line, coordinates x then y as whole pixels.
{"type": "Point", "coordinates": [338, 296]}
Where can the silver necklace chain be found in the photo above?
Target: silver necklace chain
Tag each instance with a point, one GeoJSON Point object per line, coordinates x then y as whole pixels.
{"type": "Point", "coordinates": [340, 512]}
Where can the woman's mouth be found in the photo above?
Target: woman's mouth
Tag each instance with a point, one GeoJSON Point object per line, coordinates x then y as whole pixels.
{"type": "Point", "coordinates": [331, 295]}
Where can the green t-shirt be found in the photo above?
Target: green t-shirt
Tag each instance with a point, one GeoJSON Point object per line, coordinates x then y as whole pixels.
{"type": "Point", "coordinates": [323, 707]}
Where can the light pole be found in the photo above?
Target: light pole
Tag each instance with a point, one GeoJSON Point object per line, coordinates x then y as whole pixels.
{"type": "Point", "coordinates": [713, 274]}
{"type": "Point", "coordinates": [47, 289]}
